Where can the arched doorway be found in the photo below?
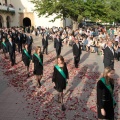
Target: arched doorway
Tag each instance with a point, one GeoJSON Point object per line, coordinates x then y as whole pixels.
{"type": "Point", "coordinates": [8, 21]}
{"type": "Point", "coordinates": [26, 22]}
{"type": "Point", "coordinates": [1, 21]}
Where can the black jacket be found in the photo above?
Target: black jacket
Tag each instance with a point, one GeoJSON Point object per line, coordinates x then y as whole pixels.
{"type": "Point", "coordinates": [104, 100]}
{"type": "Point", "coordinates": [29, 40]}
{"type": "Point", "coordinates": [76, 51]}
{"type": "Point", "coordinates": [108, 55]}
{"type": "Point", "coordinates": [11, 48]}
{"type": "Point", "coordinates": [45, 42]}
{"type": "Point", "coordinates": [58, 44]}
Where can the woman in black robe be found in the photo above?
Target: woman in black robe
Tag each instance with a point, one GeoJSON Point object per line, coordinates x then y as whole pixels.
{"type": "Point", "coordinates": [26, 58]}
{"type": "Point", "coordinates": [105, 100]}
{"type": "Point", "coordinates": [4, 47]}
{"type": "Point", "coordinates": [37, 65]}
{"type": "Point", "coordinates": [60, 76]}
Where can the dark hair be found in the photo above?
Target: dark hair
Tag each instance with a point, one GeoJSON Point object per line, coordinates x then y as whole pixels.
{"type": "Point", "coordinates": [61, 58]}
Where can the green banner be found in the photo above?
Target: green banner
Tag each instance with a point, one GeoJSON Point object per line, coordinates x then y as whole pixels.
{"type": "Point", "coordinates": [26, 52]}
{"type": "Point", "coordinates": [4, 44]}
{"type": "Point", "coordinates": [38, 58]}
{"type": "Point", "coordinates": [61, 71]}
{"type": "Point", "coordinates": [109, 88]}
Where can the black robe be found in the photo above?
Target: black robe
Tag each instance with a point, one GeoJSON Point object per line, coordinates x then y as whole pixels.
{"type": "Point", "coordinates": [59, 80]}
{"type": "Point", "coordinates": [38, 68]}
{"type": "Point", "coordinates": [104, 100]}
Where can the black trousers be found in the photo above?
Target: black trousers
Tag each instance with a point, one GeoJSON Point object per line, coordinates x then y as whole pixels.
{"type": "Point", "coordinates": [19, 48]}
{"type": "Point", "coordinates": [45, 49]}
{"type": "Point", "coordinates": [118, 56]}
{"type": "Point", "coordinates": [76, 60]}
{"type": "Point", "coordinates": [58, 51]}
{"type": "Point", "coordinates": [12, 57]}
{"type": "Point", "coordinates": [30, 48]}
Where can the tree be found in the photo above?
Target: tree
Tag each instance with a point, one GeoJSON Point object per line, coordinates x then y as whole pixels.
{"type": "Point", "coordinates": [77, 10]}
{"type": "Point", "coordinates": [114, 10]}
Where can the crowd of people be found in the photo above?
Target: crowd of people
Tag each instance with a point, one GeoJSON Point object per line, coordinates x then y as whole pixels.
{"type": "Point", "coordinates": [96, 40]}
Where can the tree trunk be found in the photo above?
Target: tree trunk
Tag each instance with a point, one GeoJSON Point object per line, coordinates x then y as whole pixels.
{"type": "Point", "coordinates": [75, 25]}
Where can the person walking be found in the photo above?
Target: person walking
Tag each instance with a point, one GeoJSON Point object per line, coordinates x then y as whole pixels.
{"type": "Point", "coordinates": [11, 49]}
{"type": "Point", "coordinates": [37, 64]}
{"type": "Point", "coordinates": [60, 76]}
{"type": "Point", "coordinates": [45, 43]}
{"type": "Point", "coordinates": [105, 99]}
{"type": "Point", "coordinates": [58, 45]}
{"type": "Point", "coordinates": [109, 55]}
{"type": "Point", "coordinates": [76, 52]}
{"type": "Point", "coordinates": [4, 47]}
{"type": "Point", "coordinates": [26, 58]}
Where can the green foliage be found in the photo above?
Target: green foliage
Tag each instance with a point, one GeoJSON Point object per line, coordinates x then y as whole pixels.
{"type": "Point", "coordinates": [105, 10]}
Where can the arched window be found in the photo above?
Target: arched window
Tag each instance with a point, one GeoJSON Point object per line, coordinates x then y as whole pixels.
{"type": "Point", "coordinates": [26, 22]}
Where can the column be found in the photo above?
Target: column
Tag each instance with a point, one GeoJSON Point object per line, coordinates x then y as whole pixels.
{"type": "Point", "coordinates": [4, 21]}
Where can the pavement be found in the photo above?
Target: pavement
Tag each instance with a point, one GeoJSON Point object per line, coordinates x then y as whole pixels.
{"type": "Point", "coordinates": [20, 99]}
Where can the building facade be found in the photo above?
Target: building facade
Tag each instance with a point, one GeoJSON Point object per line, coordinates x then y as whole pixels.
{"type": "Point", "coordinates": [20, 13]}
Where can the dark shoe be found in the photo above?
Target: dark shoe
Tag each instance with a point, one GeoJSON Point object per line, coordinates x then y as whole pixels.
{"type": "Point", "coordinates": [28, 75]}
{"type": "Point", "coordinates": [63, 108]}
{"type": "Point", "coordinates": [76, 66]}
{"type": "Point", "coordinates": [59, 99]}
{"type": "Point", "coordinates": [39, 84]}
{"type": "Point", "coordinates": [12, 64]}
{"type": "Point", "coordinates": [55, 87]}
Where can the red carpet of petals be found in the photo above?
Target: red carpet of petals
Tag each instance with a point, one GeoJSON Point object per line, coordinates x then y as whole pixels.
{"type": "Point", "coordinates": [79, 97]}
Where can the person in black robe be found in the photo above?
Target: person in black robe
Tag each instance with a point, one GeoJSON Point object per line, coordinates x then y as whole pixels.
{"type": "Point", "coordinates": [105, 100]}
{"type": "Point", "coordinates": [60, 80]}
{"type": "Point", "coordinates": [37, 65]}
{"type": "Point", "coordinates": [76, 52]}
{"type": "Point", "coordinates": [4, 47]}
{"type": "Point", "coordinates": [26, 58]}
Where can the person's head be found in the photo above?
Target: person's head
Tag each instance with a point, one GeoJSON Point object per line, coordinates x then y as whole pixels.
{"type": "Point", "coordinates": [10, 39]}
{"type": "Point", "coordinates": [108, 73]}
{"type": "Point", "coordinates": [38, 50]}
{"type": "Point", "coordinates": [26, 46]}
{"type": "Point", "coordinates": [109, 43]}
{"type": "Point", "coordinates": [60, 59]}
{"type": "Point", "coordinates": [76, 40]}
{"type": "Point", "coordinates": [3, 39]}
{"type": "Point", "coordinates": [8, 36]}
{"type": "Point", "coordinates": [57, 37]}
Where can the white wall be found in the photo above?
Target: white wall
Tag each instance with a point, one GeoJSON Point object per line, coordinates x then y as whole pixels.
{"type": "Point", "coordinates": [45, 22]}
{"type": "Point", "coordinates": [27, 6]}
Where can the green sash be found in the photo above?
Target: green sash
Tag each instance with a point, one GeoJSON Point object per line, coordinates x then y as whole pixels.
{"type": "Point", "coordinates": [38, 58]}
{"type": "Point", "coordinates": [26, 52]}
{"type": "Point", "coordinates": [61, 71]}
{"type": "Point", "coordinates": [4, 44]}
{"type": "Point", "coordinates": [110, 89]}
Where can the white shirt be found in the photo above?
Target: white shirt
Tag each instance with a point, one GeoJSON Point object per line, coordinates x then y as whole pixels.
{"type": "Point", "coordinates": [111, 50]}
{"type": "Point", "coordinates": [77, 45]}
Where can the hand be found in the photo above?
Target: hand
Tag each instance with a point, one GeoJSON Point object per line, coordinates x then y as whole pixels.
{"type": "Point", "coordinates": [103, 112]}
{"type": "Point", "coordinates": [112, 60]}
